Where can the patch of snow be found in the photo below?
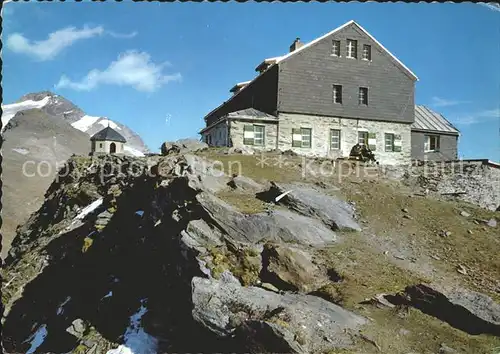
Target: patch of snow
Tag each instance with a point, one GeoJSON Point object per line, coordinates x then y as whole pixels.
{"type": "Point", "coordinates": [10, 110]}
{"type": "Point", "coordinates": [140, 212]}
{"type": "Point", "coordinates": [107, 295]}
{"type": "Point", "coordinates": [21, 151]}
{"type": "Point", "coordinates": [89, 208]}
{"type": "Point", "coordinates": [60, 309]}
{"type": "Point", "coordinates": [68, 111]}
{"type": "Point", "coordinates": [133, 151]}
{"type": "Point", "coordinates": [85, 123]}
{"type": "Point", "coordinates": [136, 340]}
{"type": "Point", "coordinates": [112, 124]}
{"type": "Point", "coordinates": [37, 338]}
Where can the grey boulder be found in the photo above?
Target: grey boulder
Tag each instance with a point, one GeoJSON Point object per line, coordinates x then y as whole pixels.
{"type": "Point", "coordinates": [333, 212]}
{"type": "Point", "coordinates": [279, 225]}
{"type": "Point", "coordinates": [291, 323]}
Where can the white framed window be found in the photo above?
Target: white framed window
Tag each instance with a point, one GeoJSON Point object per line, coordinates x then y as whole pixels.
{"type": "Point", "coordinates": [301, 137]}
{"type": "Point", "coordinates": [254, 135]}
{"type": "Point", "coordinates": [363, 95]}
{"type": "Point", "coordinates": [336, 48]}
{"type": "Point", "coordinates": [431, 143]}
{"type": "Point", "coordinates": [367, 52]}
{"type": "Point", "coordinates": [363, 138]}
{"type": "Point", "coordinates": [337, 94]}
{"type": "Point", "coordinates": [389, 142]}
{"type": "Point", "coordinates": [258, 138]}
{"type": "Point", "coordinates": [335, 139]}
{"type": "Point", "coordinates": [352, 48]}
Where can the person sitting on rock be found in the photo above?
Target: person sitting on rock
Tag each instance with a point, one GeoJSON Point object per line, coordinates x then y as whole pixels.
{"type": "Point", "coordinates": [367, 154]}
{"type": "Point", "coordinates": [355, 152]}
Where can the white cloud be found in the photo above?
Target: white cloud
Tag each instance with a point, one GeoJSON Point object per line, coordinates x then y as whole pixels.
{"type": "Point", "coordinates": [49, 48]}
{"type": "Point", "coordinates": [443, 102]}
{"type": "Point", "coordinates": [493, 6]}
{"type": "Point", "coordinates": [132, 68]}
{"type": "Point", "coordinates": [478, 117]}
{"type": "Point", "coordinates": [122, 35]}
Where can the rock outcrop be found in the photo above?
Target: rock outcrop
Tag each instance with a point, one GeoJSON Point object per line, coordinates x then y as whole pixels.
{"type": "Point", "coordinates": [470, 311]}
{"type": "Point", "coordinates": [182, 146]}
{"type": "Point", "coordinates": [135, 252]}
{"type": "Point", "coordinates": [335, 213]}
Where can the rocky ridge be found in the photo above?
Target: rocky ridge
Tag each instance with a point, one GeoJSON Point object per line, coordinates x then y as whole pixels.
{"type": "Point", "coordinates": [148, 251]}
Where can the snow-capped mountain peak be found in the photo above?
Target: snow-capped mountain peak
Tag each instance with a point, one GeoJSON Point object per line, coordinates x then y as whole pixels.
{"type": "Point", "coordinates": [10, 110]}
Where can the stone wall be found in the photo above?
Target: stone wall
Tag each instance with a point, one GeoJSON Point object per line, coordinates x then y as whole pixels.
{"type": "Point", "coordinates": [348, 136]}
{"type": "Point", "coordinates": [104, 146]}
{"type": "Point", "coordinates": [479, 179]}
{"type": "Point", "coordinates": [270, 130]}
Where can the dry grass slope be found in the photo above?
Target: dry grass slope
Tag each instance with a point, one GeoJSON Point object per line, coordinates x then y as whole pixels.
{"type": "Point", "coordinates": [392, 252]}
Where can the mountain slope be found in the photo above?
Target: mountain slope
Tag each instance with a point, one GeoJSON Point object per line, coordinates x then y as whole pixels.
{"type": "Point", "coordinates": [59, 107]}
{"type": "Point", "coordinates": [130, 262]}
{"type": "Point", "coordinates": [34, 147]}
{"type": "Point", "coordinates": [41, 130]}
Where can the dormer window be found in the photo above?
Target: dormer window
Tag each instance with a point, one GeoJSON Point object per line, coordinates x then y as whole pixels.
{"type": "Point", "coordinates": [352, 48]}
{"type": "Point", "coordinates": [367, 52]}
{"type": "Point", "coordinates": [336, 48]}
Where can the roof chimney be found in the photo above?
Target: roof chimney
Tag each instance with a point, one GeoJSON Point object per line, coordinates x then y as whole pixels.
{"type": "Point", "coordinates": [296, 44]}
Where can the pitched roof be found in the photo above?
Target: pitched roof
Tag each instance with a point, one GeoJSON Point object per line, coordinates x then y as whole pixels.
{"type": "Point", "coordinates": [250, 113]}
{"type": "Point", "coordinates": [276, 60]}
{"type": "Point", "coordinates": [280, 59]}
{"type": "Point", "coordinates": [108, 133]}
{"type": "Point", "coordinates": [428, 120]}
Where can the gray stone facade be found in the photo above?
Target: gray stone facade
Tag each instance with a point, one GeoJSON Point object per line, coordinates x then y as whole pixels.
{"type": "Point", "coordinates": [279, 136]}
{"type": "Point", "coordinates": [349, 128]}
{"type": "Point", "coordinates": [217, 135]}
{"type": "Point", "coordinates": [270, 130]}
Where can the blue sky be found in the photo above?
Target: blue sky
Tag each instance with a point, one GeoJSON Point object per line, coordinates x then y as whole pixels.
{"type": "Point", "coordinates": [160, 67]}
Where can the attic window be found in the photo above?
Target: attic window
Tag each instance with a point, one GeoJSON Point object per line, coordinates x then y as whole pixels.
{"type": "Point", "coordinates": [337, 94]}
{"type": "Point", "coordinates": [336, 48]}
{"type": "Point", "coordinates": [352, 48]}
{"type": "Point", "coordinates": [367, 52]}
{"type": "Point", "coordinates": [363, 96]}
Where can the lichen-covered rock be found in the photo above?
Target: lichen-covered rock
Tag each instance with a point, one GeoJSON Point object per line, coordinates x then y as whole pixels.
{"type": "Point", "coordinates": [182, 146]}
{"type": "Point", "coordinates": [291, 268]}
{"type": "Point", "coordinates": [335, 213]}
{"type": "Point", "coordinates": [280, 225]}
{"type": "Point", "coordinates": [290, 323]}
{"type": "Point", "coordinates": [246, 184]}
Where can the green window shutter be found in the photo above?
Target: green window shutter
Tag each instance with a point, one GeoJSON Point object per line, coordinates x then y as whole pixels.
{"type": "Point", "coordinates": [248, 135]}
{"type": "Point", "coordinates": [397, 143]}
{"type": "Point", "coordinates": [372, 141]}
{"type": "Point", "coordinates": [295, 141]}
